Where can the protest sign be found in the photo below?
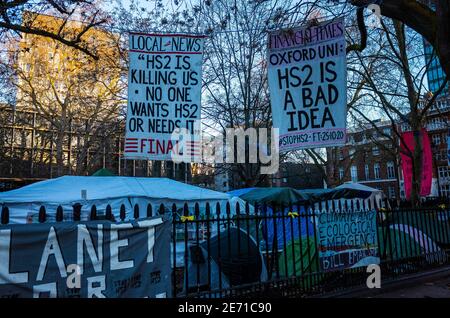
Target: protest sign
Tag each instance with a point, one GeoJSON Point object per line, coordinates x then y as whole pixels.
{"type": "Point", "coordinates": [347, 239]}
{"type": "Point", "coordinates": [307, 81]}
{"type": "Point", "coordinates": [164, 89]}
{"type": "Point", "coordinates": [86, 259]}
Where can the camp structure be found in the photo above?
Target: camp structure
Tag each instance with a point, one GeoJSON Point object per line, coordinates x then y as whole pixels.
{"type": "Point", "coordinates": [278, 196]}
{"type": "Point", "coordinates": [289, 196]}
{"type": "Point", "coordinates": [141, 196]}
{"type": "Point", "coordinates": [293, 237]}
{"type": "Point", "coordinates": [234, 260]}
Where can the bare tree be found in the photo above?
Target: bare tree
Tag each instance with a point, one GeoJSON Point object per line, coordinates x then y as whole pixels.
{"type": "Point", "coordinates": [76, 94]}
{"type": "Point", "coordinates": [19, 16]}
{"type": "Point", "coordinates": [391, 75]}
{"type": "Point", "coordinates": [428, 18]}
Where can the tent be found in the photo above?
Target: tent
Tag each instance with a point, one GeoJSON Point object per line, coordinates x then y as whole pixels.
{"type": "Point", "coordinates": [276, 197]}
{"type": "Point", "coordinates": [281, 195]}
{"type": "Point", "coordinates": [235, 261]}
{"type": "Point", "coordinates": [362, 191]}
{"type": "Point", "coordinates": [287, 196]}
{"type": "Point", "coordinates": [24, 203]}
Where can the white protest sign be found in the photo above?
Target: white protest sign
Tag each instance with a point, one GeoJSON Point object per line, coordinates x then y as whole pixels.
{"type": "Point", "coordinates": [164, 90]}
{"type": "Point", "coordinates": [307, 81]}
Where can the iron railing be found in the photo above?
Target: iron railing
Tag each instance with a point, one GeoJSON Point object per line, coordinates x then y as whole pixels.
{"type": "Point", "coordinates": [272, 250]}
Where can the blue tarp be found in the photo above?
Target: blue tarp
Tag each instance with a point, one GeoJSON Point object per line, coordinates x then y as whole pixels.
{"type": "Point", "coordinates": [306, 227]}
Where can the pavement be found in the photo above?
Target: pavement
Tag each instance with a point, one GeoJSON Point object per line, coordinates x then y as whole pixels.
{"type": "Point", "coordinates": [433, 288]}
{"type": "Point", "coordinates": [430, 284]}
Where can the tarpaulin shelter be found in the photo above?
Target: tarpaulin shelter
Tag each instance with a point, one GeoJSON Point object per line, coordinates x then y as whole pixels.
{"type": "Point", "coordinates": [235, 260]}
{"type": "Point", "coordinates": [355, 190]}
{"type": "Point", "coordinates": [291, 200]}
{"type": "Point", "coordinates": [294, 232]}
{"type": "Point", "coordinates": [24, 203]}
{"type": "Point", "coordinates": [287, 195]}
{"type": "Point", "coordinates": [282, 195]}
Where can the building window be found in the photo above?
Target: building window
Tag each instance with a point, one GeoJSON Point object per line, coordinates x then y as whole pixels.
{"type": "Point", "coordinates": [341, 155]}
{"type": "Point", "coordinates": [364, 138]}
{"type": "Point", "coordinates": [391, 192]}
{"type": "Point", "coordinates": [441, 155]}
{"type": "Point", "coordinates": [437, 123]}
{"type": "Point", "coordinates": [436, 139]}
{"type": "Point", "coordinates": [367, 172]}
{"type": "Point", "coordinates": [375, 151]}
{"type": "Point", "coordinates": [445, 190]}
{"type": "Point", "coordinates": [354, 173]}
{"type": "Point", "coordinates": [341, 173]}
{"type": "Point", "coordinates": [390, 170]}
{"type": "Point", "coordinates": [387, 131]}
{"type": "Point", "coordinates": [376, 170]}
{"type": "Point", "coordinates": [443, 172]}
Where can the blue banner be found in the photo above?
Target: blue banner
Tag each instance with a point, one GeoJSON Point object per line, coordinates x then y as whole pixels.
{"type": "Point", "coordinates": [347, 239]}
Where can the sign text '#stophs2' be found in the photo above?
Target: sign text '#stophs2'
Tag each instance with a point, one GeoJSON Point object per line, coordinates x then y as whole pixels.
{"type": "Point", "coordinates": [165, 44]}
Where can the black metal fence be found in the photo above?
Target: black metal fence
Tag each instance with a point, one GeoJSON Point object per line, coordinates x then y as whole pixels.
{"type": "Point", "coordinates": [272, 250]}
{"type": "Point", "coordinates": [219, 259]}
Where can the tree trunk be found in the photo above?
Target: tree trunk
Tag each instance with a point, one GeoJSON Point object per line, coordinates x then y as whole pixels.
{"type": "Point", "coordinates": [417, 169]}
{"type": "Point", "coordinates": [415, 117]}
{"type": "Point", "coordinates": [60, 150]}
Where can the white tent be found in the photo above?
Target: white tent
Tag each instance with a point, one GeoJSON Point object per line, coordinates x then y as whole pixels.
{"type": "Point", "coordinates": [24, 203]}
{"type": "Point", "coordinates": [376, 195]}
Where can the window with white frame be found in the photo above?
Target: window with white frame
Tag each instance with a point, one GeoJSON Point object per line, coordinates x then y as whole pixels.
{"type": "Point", "coordinates": [441, 155]}
{"type": "Point", "coordinates": [390, 170]}
{"type": "Point", "coordinates": [354, 173]}
{"type": "Point", "coordinates": [391, 192]}
{"type": "Point", "coordinates": [341, 173]}
{"type": "Point", "coordinates": [375, 150]}
{"type": "Point", "coordinates": [443, 172]}
{"type": "Point", "coordinates": [367, 171]}
{"type": "Point", "coordinates": [376, 170]}
{"type": "Point", "coordinates": [437, 123]}
{"type": "Point", "coordinates": [445, 190]}
{"type": "Point", "coordinates": [436, 139]}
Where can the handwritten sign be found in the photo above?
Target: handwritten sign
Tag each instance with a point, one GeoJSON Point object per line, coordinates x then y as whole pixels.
{"type": "Point", "coordinates": [307, 81]}
{"type": "Point", "coordinates": [164, 89]}
{"type": "Point", "coordinates": [347, 240]}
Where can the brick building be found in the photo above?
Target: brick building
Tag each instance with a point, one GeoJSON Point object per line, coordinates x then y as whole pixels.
{"type": "Point", "coordinates": [369, 157]}
{"type": "Point", "coordinates": [299, 176]}
{"type": "Point", "coordinates": [438, 127]}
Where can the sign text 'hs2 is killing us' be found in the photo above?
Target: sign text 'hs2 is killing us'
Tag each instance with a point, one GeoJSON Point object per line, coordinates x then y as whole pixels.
{"type": "Point", "coordinates": [164, 90]}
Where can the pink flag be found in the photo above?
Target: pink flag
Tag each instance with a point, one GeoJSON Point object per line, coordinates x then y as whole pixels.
{"type": "Point", "coordinates": [427, 164]}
